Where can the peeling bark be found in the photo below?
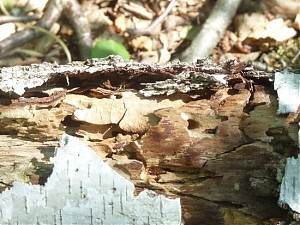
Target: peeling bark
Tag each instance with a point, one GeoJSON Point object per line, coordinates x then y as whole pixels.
{"type": "Point", "coordinates": [216, 147]}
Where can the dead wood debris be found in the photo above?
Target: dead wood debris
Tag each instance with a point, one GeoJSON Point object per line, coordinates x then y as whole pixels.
{"type": "Point", "coordinates": [51, 15]}
{"type": "Point", "coordinates": [81, 27]}
{"type": "Point", "coordinates": [14, 80]}
{"type": "Point", "coordinates": [165, 143]}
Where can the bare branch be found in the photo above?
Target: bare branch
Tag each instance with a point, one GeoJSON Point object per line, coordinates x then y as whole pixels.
{"type": "Point", "coordinates": [212, 30]}
{"type": "Point", "coordinates": [50, 16]}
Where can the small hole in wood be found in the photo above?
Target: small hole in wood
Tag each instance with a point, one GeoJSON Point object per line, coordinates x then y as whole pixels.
{"type": "Point", "coordinates": [192, 124]}
{"type": "Point", "coordinates": [210, 131]}
{"type": "Point", "coordinates": [69, 122]}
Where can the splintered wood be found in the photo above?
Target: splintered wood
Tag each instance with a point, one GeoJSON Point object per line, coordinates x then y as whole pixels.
{"type": "Point", "coordinates": [212, 142]}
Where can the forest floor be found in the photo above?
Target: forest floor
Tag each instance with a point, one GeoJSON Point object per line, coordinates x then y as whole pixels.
{"type": "Point", "coordinates": [264, 33]}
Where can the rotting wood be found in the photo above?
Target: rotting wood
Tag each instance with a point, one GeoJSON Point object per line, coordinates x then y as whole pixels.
{"type": "Point", "coordinates": [82, 189]}
{"type": "Point", "coordinates": [112, 70]}
{"type": "Point", "coordinates": [215, 147]}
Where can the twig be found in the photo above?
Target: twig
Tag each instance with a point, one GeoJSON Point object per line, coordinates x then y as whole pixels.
{"type": "Point", "coordinates": [148, 31]}
{"type": "Point", "coordinates": [8, 19]}
{"type": "Point", "coordinates": [137, 11]}
{"type": "Point", "coordinates": [51, 15]}
{"type": "Point", "coordinates": [80, 25]}
{"type": "Point", "coordinates": [296, 57]}
{"type": "Point", "coordinates": [212, 30]}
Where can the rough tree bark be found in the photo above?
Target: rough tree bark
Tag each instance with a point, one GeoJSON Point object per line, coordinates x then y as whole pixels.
{"type": "Point", "coordinates": [217, 147]}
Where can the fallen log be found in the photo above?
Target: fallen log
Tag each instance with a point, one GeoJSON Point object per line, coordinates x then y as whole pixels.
{"type": "Point", "coordinates": [207, 134]}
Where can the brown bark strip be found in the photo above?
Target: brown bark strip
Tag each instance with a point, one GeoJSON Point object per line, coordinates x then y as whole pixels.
{"type": "Point", "coordinates": [42, 102]}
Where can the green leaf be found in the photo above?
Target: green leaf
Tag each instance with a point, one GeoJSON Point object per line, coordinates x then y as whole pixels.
{"type": "Point", "coordinates": [189, 32]}
{"type": "Point", "coordinates": [9, 4]}
{"type": "Point", "coordinates": [104, 48]}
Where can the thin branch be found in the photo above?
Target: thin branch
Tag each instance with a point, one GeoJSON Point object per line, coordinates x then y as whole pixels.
{"type": "Point", "coordinates": [212, 30]}
{"type": "Point", "coordinates": [295, 58]}
{"type": "Point", "coordinates": [51, 15]}
{"type": "Point", "coordinates": [81, 26]}
{"type": "Point", "coordinates": [8, 19]}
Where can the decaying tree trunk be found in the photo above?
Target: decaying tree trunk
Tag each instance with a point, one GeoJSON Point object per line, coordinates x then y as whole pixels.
{"type": "Point", "coordinates": [218, 147]}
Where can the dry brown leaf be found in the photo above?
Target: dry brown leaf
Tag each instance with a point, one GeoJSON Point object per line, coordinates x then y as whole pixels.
{"type": "Point", "coordinates": [276, 29]}
{"type": "Point", "coordinates": [142, 43]}
{"type": "Point", "coordinates": [122, 23]}
{"type": "Point", "coordinates": [256, 27]}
